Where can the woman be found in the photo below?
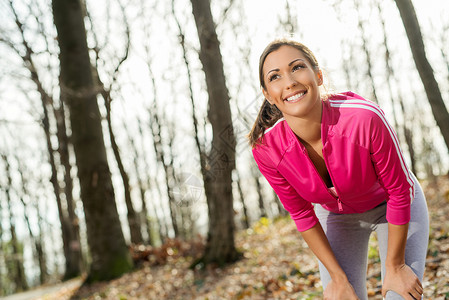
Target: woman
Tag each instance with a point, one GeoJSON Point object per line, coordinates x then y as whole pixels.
{"type": "Point", "coordinates": [339, 152]}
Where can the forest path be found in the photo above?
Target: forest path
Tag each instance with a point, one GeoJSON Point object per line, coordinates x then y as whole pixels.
{"type": "Point", "coordinates": [43, 291]}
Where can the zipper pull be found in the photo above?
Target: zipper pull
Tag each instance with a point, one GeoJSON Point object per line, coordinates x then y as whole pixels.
{"type": "Point", "coordinates": [340, 207]}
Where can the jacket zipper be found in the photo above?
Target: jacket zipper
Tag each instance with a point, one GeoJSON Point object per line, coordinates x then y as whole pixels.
{"type": "Point", "coordinates": [339, 204]}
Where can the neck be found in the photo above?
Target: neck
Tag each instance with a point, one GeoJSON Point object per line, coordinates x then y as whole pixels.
{"type": "Point", "coordinates": [307, 129]}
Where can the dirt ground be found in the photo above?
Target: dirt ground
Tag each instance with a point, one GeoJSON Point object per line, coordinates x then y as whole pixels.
{"type": "Point", "coordinates": [277, 265]}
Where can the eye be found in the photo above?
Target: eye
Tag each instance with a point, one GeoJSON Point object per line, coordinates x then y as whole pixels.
{"type": "Point", "coordinates": [273, 77]}
{"type": "Point", "coordinates": [298, 66]}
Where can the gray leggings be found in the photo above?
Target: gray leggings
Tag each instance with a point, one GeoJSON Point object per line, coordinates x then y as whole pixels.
{"type": "Point", "coordinates": [349, 234]}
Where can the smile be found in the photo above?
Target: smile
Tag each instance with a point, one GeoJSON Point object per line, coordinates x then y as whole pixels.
{"type": "Point", "coordinates": [295, 97]}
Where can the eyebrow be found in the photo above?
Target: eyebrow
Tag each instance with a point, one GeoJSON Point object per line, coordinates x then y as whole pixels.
{"type": "Point", "coordinates": [292, 62]}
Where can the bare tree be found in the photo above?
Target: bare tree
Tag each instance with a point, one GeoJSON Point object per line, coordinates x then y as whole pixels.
{"type": "Point", "coordinates": [17, 269]}
{"type": "Point", "coordinates": [163, 227]}
{"type": "Point", "coordinates": [391, 76]}
{"type": "Point", "coordinates": [69, 223]}
{"type": "Point", "coordinates": [245, 217]}
{"type": "Point", "coordinates": [110, 256]}
{"type": "Point", "coordinates": [37, 241]}
{"type": "Point", "coordinates": [181, 37]}
{"type": "Point", "coordinates": [220, 247]}
{"type": "Point", "coordinates": [367, 52]}
{"type": "Point", "coordinates": [132, 216]}
{"type": "Point", "coordinates": [142, 187]}
{"type": "Point", "coordinates": [413, 31]}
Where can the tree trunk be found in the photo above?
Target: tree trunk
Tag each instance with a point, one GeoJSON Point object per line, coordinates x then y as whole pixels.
{"type": "Point", "coordinates": [156, 131]}
{"type": "Point", "coordinates": [390, 75]}
{"type": "Point", "coordinates": [72, 258]}
{"type": "Point", "coordinates": [70, 234]}
{"type": "Point", "coordinates": [132, 216]}
{"type": "Point", "coordinates": [412, 28]}
{"type": "Point", "coordinates": [148, 185]}
{"type": "Point", "coordinates": [220, 247]}
{"type": "Point", "coordinates": [37, 241]}
{"type": "Point", "coordinates": [72, 268]}
{"type": "Point", "coordinates": [142, 187]}
{"type": "Point", "coordinates": [245, 218]}
{"type": "Point", "coordinates": [74, 250]}
{"type": "Point", "coordinates": [110, 255]}
{"type": "Point", "coordinates": [262, 210]}
{"type": "Point", "coordinates": [367, 52]}
{"type": "Point", "coordinates": [389, 72]}
{"type": "Point", "coordinates": [17, 249]}
{"type": "Point", "coordinates": [2, 284]}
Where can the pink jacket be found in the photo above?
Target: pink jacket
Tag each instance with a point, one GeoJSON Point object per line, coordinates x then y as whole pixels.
{"type": "Point", "coordinates": [362, 155]}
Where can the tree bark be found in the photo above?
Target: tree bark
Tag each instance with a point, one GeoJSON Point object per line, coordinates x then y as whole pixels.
{"type": "Point", "coordinates": [412, 28]}
{"type": "Point", "coordinates": [74, 255]}
{"type": "Point", "coordinates": [110, 255]}
{"type": "Point", "coordinates": [37, 241]}
{"type": "Point", "coordinates": [142, 188]}
{"type": "Point", "coordinates": [70, 234]}
{"type": "Point", "coordinates": [245, 218]}
{"type": "Point", "coordinates": [390, 75]}
{"type": "Point", "coordinates": [220, 247]}
{"type": "Point", "coordinates": [156, 129]}
{"type": "Point", "coordinates": [132, 216]}
{"type": "Point", "coordinates": [18, 271]}
{"type": "Point", "coordinates": [367, 55]}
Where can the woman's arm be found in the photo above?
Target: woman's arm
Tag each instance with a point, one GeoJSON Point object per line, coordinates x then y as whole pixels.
{"type": "Point", "coordinates": [397, 180]}
{"type": "Point", "coordinates": [399, 277]}
{"type": "Point", "coordinates": [339, 287]}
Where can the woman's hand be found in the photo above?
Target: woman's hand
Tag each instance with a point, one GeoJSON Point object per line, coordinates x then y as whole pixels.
{"type": "Point", "coordinates": [339, 291]}
{"type": "Point", "coordinates": [402, 280]}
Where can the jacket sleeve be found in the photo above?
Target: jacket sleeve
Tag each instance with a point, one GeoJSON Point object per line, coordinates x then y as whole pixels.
{"type": "Point", "coordinates": [391, 169]}
{"type": "Point", "coordinates": [301, 211]}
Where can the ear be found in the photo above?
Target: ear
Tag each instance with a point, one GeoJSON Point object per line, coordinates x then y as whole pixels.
{"type": "Point", "coordinates": [319, 76]}
{"type": "Point", "coordinates": [267, 96]}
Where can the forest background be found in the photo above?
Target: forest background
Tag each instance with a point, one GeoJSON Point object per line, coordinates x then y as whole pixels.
{"type": "Point", "coordinates": [124, 123]}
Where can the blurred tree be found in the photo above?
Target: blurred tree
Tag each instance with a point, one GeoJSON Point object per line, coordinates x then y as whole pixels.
{"type": "Point", "coordinates": [142, 185]}
{"type": "Point", "coordinates": [35, 238]}
{"type": "Point", "coordinates": [367, 51]}
{"type": "Point", "coordinates": [50, 108]}
{"type": "Point", "coordinates": [199, 145]}
{"type": "Point", "coordinates": [390, 76]}
{"type": "Point", "coordinates": [16, 269]}
{"type": "Point", "coordinates": [220, 161]}
{"type": "Point", "coordinates": [413, 31]}
{"type": "Point", "coordinates": [105, 91]}
{"type": "Point", "coordinates": [110, 255]}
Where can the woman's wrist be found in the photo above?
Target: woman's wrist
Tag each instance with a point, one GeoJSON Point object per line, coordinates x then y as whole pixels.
{"type": "Point", "coordinates": [338, 276]}
{"type": "Point", "coordinates": [394, 265]}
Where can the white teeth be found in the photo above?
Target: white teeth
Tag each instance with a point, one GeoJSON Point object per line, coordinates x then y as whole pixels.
{"type": "Point", "coordinates": [295, 97]}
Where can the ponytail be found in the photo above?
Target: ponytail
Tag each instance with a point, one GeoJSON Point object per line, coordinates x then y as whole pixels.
{"type": "Point", "coordinates": [268, 115]}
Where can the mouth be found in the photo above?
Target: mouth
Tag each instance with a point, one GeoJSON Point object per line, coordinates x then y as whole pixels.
{"type": "Point", "coordinates": [296, 97]}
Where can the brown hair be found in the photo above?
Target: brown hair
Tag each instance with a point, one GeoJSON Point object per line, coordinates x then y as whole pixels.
{"type": "Point", "coordinates": [270, 114]}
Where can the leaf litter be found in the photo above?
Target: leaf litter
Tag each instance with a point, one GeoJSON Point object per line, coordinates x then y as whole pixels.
{"type": "Point", "coordinates": [277, 264]}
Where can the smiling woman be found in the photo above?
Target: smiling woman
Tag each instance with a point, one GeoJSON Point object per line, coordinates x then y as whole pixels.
{"type": "Point", "coordinates": [292, 84]}
{"type": "Point", "coordinates": [339, 153]}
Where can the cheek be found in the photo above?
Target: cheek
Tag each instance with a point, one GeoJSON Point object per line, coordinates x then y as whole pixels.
{"type": "Point", "coordinates": [305, 78]}
{"type": "Point", "coordinates": [274, 90]}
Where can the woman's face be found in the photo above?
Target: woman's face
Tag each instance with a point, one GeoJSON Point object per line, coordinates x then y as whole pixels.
{"type": "Point", "coordinates": [291, 82]}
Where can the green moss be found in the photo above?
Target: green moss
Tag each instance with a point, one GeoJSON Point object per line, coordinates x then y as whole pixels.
{"type": "Point", "coordinates": [113, 269]}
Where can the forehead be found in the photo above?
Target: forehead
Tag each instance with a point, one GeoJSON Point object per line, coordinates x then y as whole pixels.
{"type": "Point", "coordinates": [282, 57]}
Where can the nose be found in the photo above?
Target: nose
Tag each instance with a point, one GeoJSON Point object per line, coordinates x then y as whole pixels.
{"type": "Point", "coordinates": [291, 81]}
